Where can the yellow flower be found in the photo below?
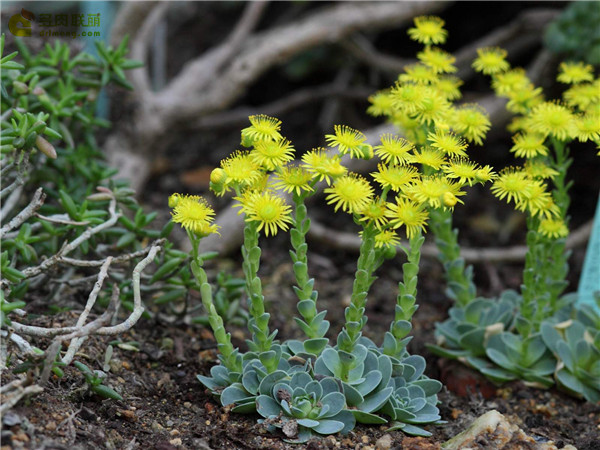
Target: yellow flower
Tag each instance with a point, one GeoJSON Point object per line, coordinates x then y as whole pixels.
{"type": "Point", "coordinates": [471, 121]}
{"type": "Point", "coordinates": [575, 72]}
{"type": "Point", "coordinates": [394, 177]}
{"type": "Point", "coordinates": [449, 87]}
{"type": "Point", "coordinates": [270, 211]}
{"type": "Point", "coordinates": [428, 30]}
{"type": "Point", "coordinates": [433, 108]}
{"type": "Point", "coordinates": [429, 157]}
{"type": "Point", "coordinates": [385, 239]}
{"type": "Point", "coordinates": [485, 174]}
{"type": "Point", "coordinates": [537, 200]}
{"type": "Point", "coordinates": [375, 212]}
{"type": "Point", "coordinates": [431, 191]}
{"type": "Point", "coordinates": [263, 128]}
{"type": "Point", "coordinates": [582, 95]}
{"type": "Point", "coordinates": [394, 149]}
{"type": "Point", "coordinates": [509, 81]}
{"type": "Point", "coordinates": [529, 145]}
{"type": "Point", "coordinates": [347, 140]}
{"type": "Point", "coordinates": [417, 73]}
{"type": "Point", "coordinates": [408, 214]}
{"type": "Point", "coordinates": [521, 100]}
{"type": "Point", "coordinates": [510, 184]}
{"type": "Point", "coordinates": [539, 170]}
{"type": "Point", "coordinates": [491, 60]}
{"type": "Point", "coordinates": [587, 127]}
{"type": "Point", "coordinates": [553, 119]}
{"type": "Point", "coordinates": [553, 228]}
{"type": "Point", "coordinates": [240, 169]}
{"type": "Point", "coordinates": [438, 60]}
{"type": "Point", "coordinates": [381, 104]}
{"type": "Point", "coordinates": [408, 97]}
{"type": "Point", "coordinates": [193, 213]}
{"type": "Point", "coordinates": [272, 154]}
{"type": "Point", "coordinates": [467, 172]}
{"type": "Point", "coordinates": [351, 192]}
{"type": "Point", "coordinates": [321, 163]}
{"type": "Point", "coordinates": [448, 143]}
{"type": "Point", "coordinates": [293, 179]}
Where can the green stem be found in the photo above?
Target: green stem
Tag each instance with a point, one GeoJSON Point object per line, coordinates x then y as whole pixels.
{"type": "Point", "coordinates": [258, 323]}
{"type": "Point", "coordinates": [229, 356]}
{"type": "Point", "coordinates": [368, 261]}
{"type": "Point", "coordinates": [406, 300]}
{"type": "Point", "coordinates": [461, 287]}
{"type": "Point", "coordinates": [313, 325]}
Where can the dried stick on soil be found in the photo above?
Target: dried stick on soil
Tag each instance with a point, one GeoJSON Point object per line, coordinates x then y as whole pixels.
{"type": "Point", "coordinates": [15, 391]}
{"type": "Point", "coordinates": [91, 327]}
{"type": "Point", "coordinates": [36, 202]}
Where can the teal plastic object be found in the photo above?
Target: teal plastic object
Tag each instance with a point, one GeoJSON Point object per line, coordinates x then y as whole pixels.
{"type": "Point", "coordinates": [589, 283]}
{"type": "Point", "coordinates": [106, 13]}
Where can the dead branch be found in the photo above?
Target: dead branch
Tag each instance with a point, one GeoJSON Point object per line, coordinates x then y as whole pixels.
{"type": "Point", "coordinates": [13, 392]}
{"type": "Point", "coordinates": [36, 202]}
{"type": "Point", "coordinates": [239, 116]}
{"type": "Point", "coordinates": [351, 242]}
{"type": "Point", "coordinates": [217, 78]}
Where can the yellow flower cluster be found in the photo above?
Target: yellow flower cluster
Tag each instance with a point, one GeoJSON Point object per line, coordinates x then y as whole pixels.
{"type": "Point", "coordinates": [539, 126]}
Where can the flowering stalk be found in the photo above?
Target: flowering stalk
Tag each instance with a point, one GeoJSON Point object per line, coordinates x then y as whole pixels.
{"type": "Point", "coordinates": [313, 325]}
{"type": "Point", "coordinates": [258, 324]}
{"type": "Point", "coordinates": [461, 287]}
{"type": "Point", "coordinates": [406, 300]}
{"type": "Point", "coordinates": [229, 356]}
{"type": "Point", "coordinates": [196, 216]}
{"type": "Point", "coordinates": [368, 261]}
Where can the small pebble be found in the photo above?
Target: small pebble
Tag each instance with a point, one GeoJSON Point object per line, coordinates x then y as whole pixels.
{"type": "Point", "coordinates": [11, 419]}
{"type": "Point", "coordinates": [157, 426]}
{"type": "Point", "coordinates": [384, 442]}
{"type": "Point", "coordinates": [187, 405]}
{"type": "Point", "coordinates": [176, 442]}
{"type": "Point", "coordinates": [170, 423]}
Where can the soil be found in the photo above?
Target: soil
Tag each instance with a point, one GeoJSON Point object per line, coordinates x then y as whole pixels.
{"type": "Point", "coordinates": [165, 407]}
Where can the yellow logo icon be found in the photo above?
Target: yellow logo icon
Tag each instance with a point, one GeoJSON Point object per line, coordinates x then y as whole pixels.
{"type": "Point", "coordinates": [20, 24]}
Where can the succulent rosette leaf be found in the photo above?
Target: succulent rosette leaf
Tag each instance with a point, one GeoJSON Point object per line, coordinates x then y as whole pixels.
{"type": "Point", "coordinates": [578, 353]}
{"type": "Point", "coordinates": [303, 407]}
{"type": "Point", "coordinates": [465, 333]}
{"type": "Point", "coordinates": [527, 359]}
{"type": "Point", "coordinates": [413, 401]}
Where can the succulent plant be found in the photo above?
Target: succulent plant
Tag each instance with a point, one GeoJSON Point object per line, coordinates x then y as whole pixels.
{"type": "Point", "coordinates": [578, 353]}
{"type": "Point", "coordinates": [242, 389]}
{"type": "Point", "coordinates": [303, 407]}
{"type": "Point", "coordinates": [414, 397]}
{"type": "Point", "coordinates": [527, 359]}
{"type": "Point", "coordinates": [367, 387]}
{"type": "Point", "coordinates": [464, 335]}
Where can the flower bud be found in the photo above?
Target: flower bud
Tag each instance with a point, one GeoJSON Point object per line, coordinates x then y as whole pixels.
{"type": "Point", "coordinates": [174, 200]}
{"type": "Point", "coordinates": [20, 87]}
{"type": "Point", "coordinates": [218, 176]}
{"type": "Point", "coordinates": [99, 197]}
{"type": "Point", "coordinates": [38, 90]}
{"type": "Point", "coordinates": [45, 147]}
{"type": "Point", "coordinates": [449, 199]}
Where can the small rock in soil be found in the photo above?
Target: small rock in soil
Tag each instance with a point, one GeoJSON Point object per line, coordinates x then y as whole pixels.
{"type": "Point", "coordinates": [384, 442]}
{"type": "Point", "coordinates": [11, 419]}
{"type": "Point", "coordinates": [493, 430]}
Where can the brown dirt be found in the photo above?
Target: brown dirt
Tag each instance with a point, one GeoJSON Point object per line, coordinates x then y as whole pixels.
{"type": "Point", "coordinates": [165, 407]}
